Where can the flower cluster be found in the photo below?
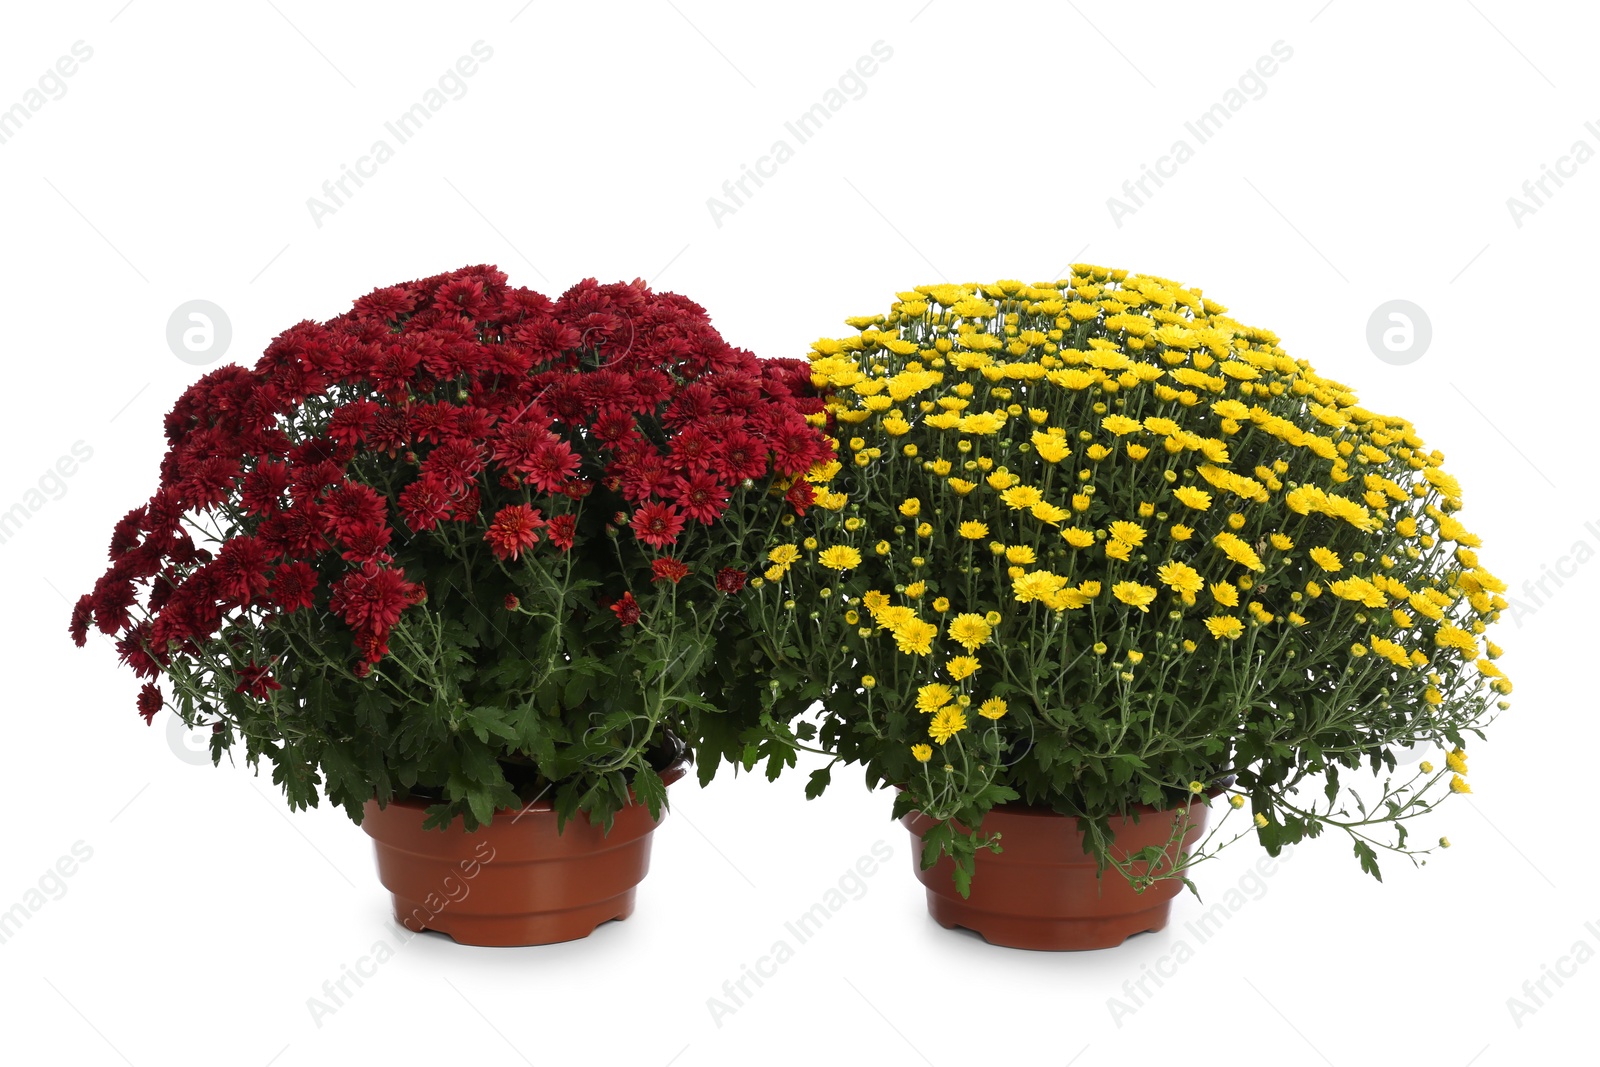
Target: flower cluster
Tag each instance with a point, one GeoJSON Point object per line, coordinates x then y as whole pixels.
{"type": "Point", "coordinates": [477, 472]}
{"type": "Point", "coordinates": [1096, 544]}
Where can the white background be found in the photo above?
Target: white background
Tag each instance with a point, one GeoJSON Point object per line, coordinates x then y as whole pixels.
{"type": "Point", "coordinates": [1377, 165]}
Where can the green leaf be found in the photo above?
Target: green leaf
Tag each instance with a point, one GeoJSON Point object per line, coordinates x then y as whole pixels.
{"type": "Point", "coordinates": [1368, 858]}
{"type": "Point", "coordinates": [650, 790]}
{"type": "Point", "coordinates": [818, 782]}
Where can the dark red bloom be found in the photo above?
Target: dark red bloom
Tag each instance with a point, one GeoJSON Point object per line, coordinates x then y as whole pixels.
{"type": "Point", "coordinates": [424, 502]}
{"type": "Point", "coordinates": [701, 496]}
{"type": "Point", "coordinates": [563, 531]}
{"type": "Point", "coordinates": [739, 456]}
{"type": "Point", "coordinates": [550, 465]}
{"type": "Point", "coordinates": [667, 569]}
{"type": "Point", "coordinates": [514, 528]}
{"type": "Point", "coordinates": [150, 702]}
{"type": "Point", "coordinates": [512, 603]}
{"type": "Point", "coordinates": [256, 681]}
{"type": "Point", "coordinates": [241, 569]}
{"type": "Point", "coordinates": [82, 615]}
{"type": "Point", "coordinates": [800, 496]}
{"type": "Point", "coordinates": [626, 610]}
{"type": "Point", "coordinates": [294, 586]}
{"type": "Point", "coordinates": [657, 524]}
{"type": "Point", "coordinates": [730, 580]}
{"type": "Point", "coordinates": [372, 598]}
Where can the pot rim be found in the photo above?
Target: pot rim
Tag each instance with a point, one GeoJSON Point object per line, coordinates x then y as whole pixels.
{"type": "Point", "coordinates": [1021, 808]}
{"type": "Point", "coordinates": [669, 774]}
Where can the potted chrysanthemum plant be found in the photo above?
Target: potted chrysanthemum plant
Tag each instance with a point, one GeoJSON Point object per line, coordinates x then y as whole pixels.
{"type": "Point", "coordinates": [1092, 558]}
{"type": "Point", "coordinates": [466, 561]}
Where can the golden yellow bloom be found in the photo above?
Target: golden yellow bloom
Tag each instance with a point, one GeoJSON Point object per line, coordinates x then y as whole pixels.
{"type": "Point", "coordinates": [1180, 577]}
{"type": "Point", "coordinates": [1225, 593]}
{"type": "Point", "coordinates": [1019, 554]}
{"type": "Point", "coordinates": [1236, 549]}
{"type": "Point", "coordinates": [1326, 559]}
{"type": "Point", "coordinates": [1019, 497]}
{"type": "Point", "coordinates": [1261, 820]}
{"type": "Point", "coordinates": [1190, 497]}
{"type": "Point", "coordinates": [1129, 533]}
{"type": "Point", "coordinates": [1047, 512]}
{"type": "Point", "coordinates": [1120, 424]}
{"type": "Point", "coordinates": [1081, 501]}
{"type": "Point", "coordinates": [941, 605]}
{"type": "Point", "coordinates": [961, 486]}
{"type": "Point", "coordinates": [839, 558]}
{"type": "Point", "coordinates": [916, 589]}
{"type": "Point", "coordinates": [1456, 761]}
{"type": "Point", "coordinates": [1225, 626]}
{"type": "Point", "coordinates": [993, 617]}
{"type": "Point", "coordinates": [1180, 532]}
{"type": "Point", "coordinates": [934, 696]}
{"type": "Point", "coordinates": [868, 681]}
{"type": "Point", "coordinates": [993, 708]}
{"type": "Point", "coordinates": [973, 531]}
{"type": "Point", "coordinates": [784, 555]}
{"type": "Point", "coordinates": [922, 753]}
{"type": "Point", "coordinates": [1078, 538]}
{"type": "Point", "coordinates": [1236, 801]}
{"type": "Point", "coordinates": [947, 722]}
{"type": "Point", "coordinates": [961, 667]}
{"type": "Point", "coordinates": [1134, 594]}
{"type": "Point", "coordinates": [969, 630]}
{"type": "Point", "coordinates": [913, 636]}
{"type": "Point", "coordinates": [911, 507]}
{"type": "Point", "coordinates": [1459, 784]}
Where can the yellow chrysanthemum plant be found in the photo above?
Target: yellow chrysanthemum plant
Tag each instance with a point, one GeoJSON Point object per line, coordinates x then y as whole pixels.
{"type": "Point", "coordinates": [1092, 544]}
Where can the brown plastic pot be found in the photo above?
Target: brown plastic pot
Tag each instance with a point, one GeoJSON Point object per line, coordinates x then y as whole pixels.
{"type": "Point", "coordinates": [1041, 891]}
{"type": "Point", "coordinates": [514, 881]}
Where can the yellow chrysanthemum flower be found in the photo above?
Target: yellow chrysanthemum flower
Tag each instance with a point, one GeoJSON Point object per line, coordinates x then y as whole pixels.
{"type": "Point", "coordinates": [839, 558]}
{"type": "Point", "coordinates": [922, 753]}
{"type": "Point", "coordinates": [933, 696]}
{"type": "Point", "coordinates": [961, 667]}
{"type": "Point", "coordinates": [1190, 497]}
{"type": "Point", "coordinates": [970, 631]}
{"type": "Point", "coordinates": [973, 530]}
{"type": "Point", "coordinates": [1134, 594]}
{"type": "Point", "coordinates": [1078, 538]}
{"type": "Point", "coordinates": [1327, 559]}
{"type": "Point", "coordinates": [1225, 626]}
{"type": "Point", "coordinates": [947, 722]}
{"type": "Point", "coordinates": [993, 708]}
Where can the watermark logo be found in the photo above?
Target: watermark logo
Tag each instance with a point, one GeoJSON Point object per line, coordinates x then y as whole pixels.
{"type": "Point", "coordinates": [851, 885]}
{"type": "Point", "coordinates": [851, 85]}
{"type": "Point", "coordinates": [1537, 192]}
{"type": "Point", "coordinates": [1537, 992]}
{"type": "Point", "coordinates": [450, 85]}
{"type": "Point", "coordinates": [51, 85]}
{"type": "Point", "coordinates": [1399, 332]}
{"type": "Point", "coordinates": [51, 885]}
{"type": "Point", "coordinates": [1251, 85]}
{"type": "Point", "coordinates": [1137, 992]}
{"type": "Point", "coordinates": [198, 332]}
{"type": "Point", "coordinates": [51, 485]}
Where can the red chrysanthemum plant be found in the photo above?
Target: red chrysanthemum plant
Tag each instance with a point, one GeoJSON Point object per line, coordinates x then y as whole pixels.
{"type": "Point", "coordinates": [466, 543]}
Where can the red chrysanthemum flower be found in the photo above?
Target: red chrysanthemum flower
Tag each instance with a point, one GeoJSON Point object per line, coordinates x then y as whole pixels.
{"type": "Point", "coordinates": [550, 465]}
{"type": "Point", "coordinates": [626, 610]}
{"type": "Point", "coordinates": [241, 569]}
{"type": "Point", "coordinates": [730, 580]}
{"type": "Point", "coordinates": [150, 702]}
{"type": "Point", "coordinates": [256, 681]}
{"type": "Point", "coordinates": [294, 586]}
{"type": "Point", "coordinates": [657, 524]}
{"type": "Point", "coordinates": [667, 569]}
{"type": "Point", "coordinates": [424, 502]}
{"type": "Point", "coordinates": [701, 496]}
{"type": "Point", "coordinates": [563, 531]}
{"type": "Point", "coordinates": [800, 496]}
{"type": "Point", "coordinates": [514, 528]}
{"type": "Point", "coordinates": [372, 598]}
{"type": "Point", "coordinates": [739, 456]}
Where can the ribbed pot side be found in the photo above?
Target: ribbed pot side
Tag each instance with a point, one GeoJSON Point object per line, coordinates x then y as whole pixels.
{"type": "Point", "coordinates": [1041, 892]}
{"type": "Point", "coordinates": [514, 881]}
